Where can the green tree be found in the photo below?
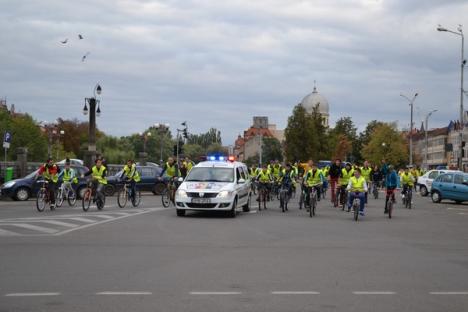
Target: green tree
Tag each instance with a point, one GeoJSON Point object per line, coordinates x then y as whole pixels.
{"type": "Point", "coordinates": [271, 150]}
{"type": "Point", "coordinates": [345, 127]}
{"type": "Point", "coordinates": [386, 143]}
{"type": "Point", "coordinates": [26, 133]}
{"type": "Point", "coordinates": [205, 139]}
{"type": "Point", "coordinates": [194, 151]}
{"type": "Point", "coordinates": [216, 148]}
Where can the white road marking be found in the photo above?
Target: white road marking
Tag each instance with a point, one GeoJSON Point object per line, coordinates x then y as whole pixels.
{"type": "Point", "coordinates": [54, 222]}
{"type": "Point", "coordinates": [35, 228]}
{"type": "Point", "coordinates": [38, 294]}
{"type": "Point", "coordinates": [215, 293]}
{"type": "Point", "coordinates": [124, 293]}
{"type": "Point", "coordinates": [253, 211]}
{"type": "Point", "coordinates": [103, 216]}
{"type": "Point", "coordinates": [374, 292]}
{"type": "Point", "coordinates": [7, 233]}
{"type": "Point", "coordinates": [449, 293]}
{"type": "Point", "coordinates": [83, 220]}
{"type": "Point", "coordinates": [462, 213]}
{"type": "Point", "coordinates": [295, 293]}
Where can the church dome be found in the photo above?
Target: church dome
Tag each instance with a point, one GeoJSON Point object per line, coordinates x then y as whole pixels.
{"type": "Point", "coordinates": [312, 100]}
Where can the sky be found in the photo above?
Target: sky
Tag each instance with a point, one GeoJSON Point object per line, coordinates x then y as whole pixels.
{"type": "Point", "coordinates": [219, 63]}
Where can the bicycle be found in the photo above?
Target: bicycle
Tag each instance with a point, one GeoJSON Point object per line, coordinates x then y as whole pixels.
{"type": "Point", "coordinates": [262, 196]}
{"type": "Point", "coordinates": [284, 197]}
{"type": "Point", "coordinates": [42, 198]}
{"type": "Point", "coordinates": [125, 193]}
{"type": "Point", "coordinates": [356, 206]}
{"type": "Point", "coordinates": [168, 194]}
{"type": "Point", "coordinates": [254, 187]}
{"type": "Point", "coordinates": [90, 195]}
{"type": "Point", "coordinates": [312, 201]}
{"type": "Point", "coordinates": [66, 192]}
{"type": "Point", "coordinates": [408, 197]}
{"type": "Point", "coordinates": [390, 203]}
{"type": "Point", "coordinates": [375, 190]}
{"type": "Point", "coordinates": [341, 197]}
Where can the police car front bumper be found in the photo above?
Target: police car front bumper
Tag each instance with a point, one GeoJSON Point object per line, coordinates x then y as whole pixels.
{"type": "Point", "coordinates": [208, 201]}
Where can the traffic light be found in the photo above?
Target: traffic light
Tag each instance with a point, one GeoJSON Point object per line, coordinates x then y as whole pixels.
{"type": "Point", "coordinates": [463, 149]}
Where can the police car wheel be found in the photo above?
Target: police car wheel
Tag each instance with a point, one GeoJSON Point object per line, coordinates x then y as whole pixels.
{"type": "Point", "coordinates": [233, 212]}
{"type": "Point", "coordinates": [423, 191]}
{"type": "Point", "coordinates": [246, 207]}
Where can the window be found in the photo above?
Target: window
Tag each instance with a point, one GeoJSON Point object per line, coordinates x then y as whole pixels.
{"type": "Point", "coordinates": [458, 179]}
{"type": "Point", "coordinates": [146, 172]}
{"type": "Point", "coordinates": [238, 174]}
{"type": "Point", "coordinates": [204, 174]}
{"type": "Point", "coordinates": [433, 174]}
{"type": "Point", "coordinates": [446, 178]}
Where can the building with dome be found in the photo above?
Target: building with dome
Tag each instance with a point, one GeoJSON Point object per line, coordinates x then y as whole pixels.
{"type": "Point", "coordinates": [315, 99]}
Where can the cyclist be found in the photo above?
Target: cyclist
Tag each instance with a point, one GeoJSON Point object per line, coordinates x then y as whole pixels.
{"type": "Point", "coordinates": [313, 179]}
{"type": "Point", "coordinates": [187, 165]}
{"type": "Point", "coordinates": [407, 181]}
{"type": "Point", "coordinates": [131, 174]}
{"type": "Point", "coordinates": [334, 175]}
{"type": "Point", "coordinates": [391, 183]}
{"type": "Point", "coordinates": [366, 173]}
{"type": "Point", "coordinates": [346, 173]}
{"type": "Point", "coordinates": [415, 172]}
{"type": "Point", "coordinates": [98, 174]}
{"type": "Point", "coordinates": [50, 172]}
{"type": "Point", "coordinates": [264, 179]}
{"type": "Point", "coordinates": [376, 176]}
{"type": "Point", "coordinates": [286, 180]}
{"type": "Point", "coordinates": [357, 188]}
{"type": "Point", "coordinates": [254, 171]}
{"type": "Point", "coordinates": [384, 169]}
{"type": "Point", "coordinates": [68, 176]}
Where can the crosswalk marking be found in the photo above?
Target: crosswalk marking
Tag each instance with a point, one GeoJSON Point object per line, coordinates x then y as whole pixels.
{"type": "Point", "coordinates": [34, 228]}
{"type": "Point", "coordinates": [56, 225]}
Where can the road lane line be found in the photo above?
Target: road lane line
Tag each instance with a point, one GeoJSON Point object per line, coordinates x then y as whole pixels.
{"type": "Point", "coordinates": [100, 222]}
{"type": "Point", "coordinates": [54, 222]}
{"type": "Point", "coordinates": [8, 233]}
{"type": "Point", "coordinates": [295, 293]}
{"type": "Point", "coordinates": [449, 293]}
{"type": "Point", "coordinates": [37, 294]}
{"type": "Point", "coordinates": [215, 293]}
{"type": "Point", "coordinates": [103, 216]}
{"type": "Point", "coordinates": [83, 220]}
{"type": "Point", "coordinates": [34, 228]}
{"type": "Point", "coordinates": [374, 292]}
{"type": "Point", "coordinates": [124, 293]}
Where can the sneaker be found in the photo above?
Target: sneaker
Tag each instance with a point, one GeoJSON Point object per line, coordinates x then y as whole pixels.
{"type": "Point", "coordinates": [52, 206]}
{"type": "Point", "coordinates": [361, 213]}
{"type": "Point", "coordinates": [386, 211]}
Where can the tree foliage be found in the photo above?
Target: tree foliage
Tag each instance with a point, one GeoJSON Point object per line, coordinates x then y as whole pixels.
{"type": "Point", "coordinates": [271, 150]}
{"type": "Point", "coordinates": [213, 136]}
{"type": "Point", "coordinates": [386, 143]}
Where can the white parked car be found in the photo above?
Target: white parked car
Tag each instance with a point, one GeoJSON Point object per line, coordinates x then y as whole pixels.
{"type": "Point", "coordinates": [215, 185]}
{"type": "Point", "coordinates": [425, 181]}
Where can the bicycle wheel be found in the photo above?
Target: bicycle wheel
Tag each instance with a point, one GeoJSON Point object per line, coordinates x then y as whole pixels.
{"type": "Point", "coordinates": [59, 198]}
{"type": "Point", "coordinates": [301, 201]}
{"type": "Point", "coordinates": [71, 198]}
{"type": "Point", "coordinates": [390, 208]}
{"type": "Point", "coordinates": [137, 199]}
{"type": "Point", "coordinates": [409, 199]}
{"type": "Point", "coordinates": [41, 200]}
{"type": "Point", "coordinates": [86, 200]}
{"type": "Point", "coordinates": [100, 202]}
{"type": "Point", "coordinates": [166, 201]}
{"type": "Point", "coordinates": [356, 210]}
{"type": "Point", "coordinates": [312, 203]}
{"type": "Point", "coordinates": [344, 200]}
{"type": "Point", "coordinates": [376, 193]}
{"type": "Point", "coordinates": [122, 197]}
{"type": "Point", "coordinates": [281, 198]}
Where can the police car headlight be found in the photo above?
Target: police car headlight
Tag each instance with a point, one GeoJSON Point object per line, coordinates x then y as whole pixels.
{"type": "Point", "coordinates": [224, 194]}
{"type": "Point", "coordinates": [9, 184]}
{"type": "Point", "coordinates": [182, 193]}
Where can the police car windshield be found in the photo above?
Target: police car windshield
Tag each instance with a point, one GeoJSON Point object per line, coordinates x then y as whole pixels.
{"type": "Point", "coordinates": [211, 174]}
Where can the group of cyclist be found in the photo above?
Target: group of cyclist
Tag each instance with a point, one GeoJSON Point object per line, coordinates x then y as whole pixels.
{"type": "Point", "coordinates": [343, 178]}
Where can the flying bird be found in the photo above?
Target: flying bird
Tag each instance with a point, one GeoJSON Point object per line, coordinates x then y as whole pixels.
{"type": "Point", "coordinates": [85, 56]}
{"type": "Point", "coordinates": [64, 41]}
{"type": "Point", "coordinates": [80, 36]}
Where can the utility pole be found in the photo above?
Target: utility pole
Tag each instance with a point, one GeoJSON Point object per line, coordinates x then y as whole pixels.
{"type": "Point", "coordinates": [411, 104]}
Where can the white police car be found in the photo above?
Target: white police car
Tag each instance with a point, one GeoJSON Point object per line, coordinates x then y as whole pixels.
{"type": "Point", "coordinates": [219, 184]}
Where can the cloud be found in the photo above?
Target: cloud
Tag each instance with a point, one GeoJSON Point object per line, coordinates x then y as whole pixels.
{"type": "Point", "coordinates": [218, 63]}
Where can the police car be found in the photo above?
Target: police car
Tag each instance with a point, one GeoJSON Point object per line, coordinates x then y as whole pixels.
{"type": "Point", "coordinates": [218, 184]}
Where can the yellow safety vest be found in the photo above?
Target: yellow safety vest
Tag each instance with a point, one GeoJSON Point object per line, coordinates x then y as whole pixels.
{"type": "Point", "coordinates": [132, 173]}
{"type": "Point", "coordinates": [170, 170]}
{"type": "Point", "coordinates": [357, 184]}
{"type": "Point", "coordinates": [264, 177]}
{"type": "Point", "coordinates": [365, 172]}
{"type": "Point", "coordinates": [313, 178]}
{"type": "Point", "coordinates": [345, 176]}
{"type": "Point", "coordinates": [253, 172]}
{"type": "Point", "coordinates": [48, 176]}
{"type": "Point", "coordinates": [69, 175]}
{"type": "Point", "coordinates": [98, 174]}
{"type": "Point", "coordinates": [407, 179]}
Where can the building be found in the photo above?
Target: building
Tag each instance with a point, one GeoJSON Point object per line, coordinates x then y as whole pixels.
{"type": "Point", "coordinates": [249, 144]}
{"type": "Point", "coordinates": [315, 99]}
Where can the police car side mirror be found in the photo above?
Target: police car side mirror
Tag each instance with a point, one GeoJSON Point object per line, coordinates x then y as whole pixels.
{"type": "Point", "coordinates": [180, 179]}
{"type": "Point", "coordinates": [241, 181]}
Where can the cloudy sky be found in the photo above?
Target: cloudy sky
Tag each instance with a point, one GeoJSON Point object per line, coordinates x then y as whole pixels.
{"type": "Point", "coordinates": [218, 63]}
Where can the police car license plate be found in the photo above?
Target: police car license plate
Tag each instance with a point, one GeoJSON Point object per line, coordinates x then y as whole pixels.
{"type": "Point", "coordinates": [201, 200]}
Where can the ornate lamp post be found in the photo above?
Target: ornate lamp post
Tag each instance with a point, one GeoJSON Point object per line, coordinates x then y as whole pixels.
{"type": "Point", "coordinates": [93, 112]}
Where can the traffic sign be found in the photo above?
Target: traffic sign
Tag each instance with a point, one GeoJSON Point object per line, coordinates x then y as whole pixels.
{"type": "Point", "coordinates": [6, 139]}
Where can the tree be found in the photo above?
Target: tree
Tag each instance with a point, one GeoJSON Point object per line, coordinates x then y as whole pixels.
{"type": "Point", "coordinates": [299, 134]}
{"type": "Point", "coordinates": [343, 148]}
{"type": "Point", "coordinates": [205, 139]}
{"type": "Point", "coordinates": [386, 143]}
{"type": "Point", "coordinates": [194, 151]}
{"type": "Point", "coordinates": [345, 127]}
{"type": "Point", "coordinates": [216, 148]}
{"type": "Point", "coordinates": [365, 136]}
{"type": "Point", "coordinates": [271, 150]}
{"type": "Point", "coordinates": [26, 133]}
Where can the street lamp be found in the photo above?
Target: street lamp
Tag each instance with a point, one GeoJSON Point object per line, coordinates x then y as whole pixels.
{"type": "Point", "coordinates": [145, 137]}
{"type": "Point", "coordinates": [62, 133]}
{"type": "Point", "coordinates": [426, 129]}
{"type": "Point", "coordinates": [459, 32]}
{"type": "Point", "coordinates": [411, 103]}
{"type": "Point", "coordinates": [91, 155]}
{"type": "Point", "coordinates": [162, 129]}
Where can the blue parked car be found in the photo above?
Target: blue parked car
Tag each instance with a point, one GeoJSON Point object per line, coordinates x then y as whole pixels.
{"type": "Point", "coordinates": [24, 188]}
{"type": "Point", "coordinates": [149, 180]}
{"type": "Point", "coordinates": [453, 185]}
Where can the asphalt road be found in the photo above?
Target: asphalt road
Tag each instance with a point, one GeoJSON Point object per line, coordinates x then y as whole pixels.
{"type": "Point", "coordinates": [147, 259]}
